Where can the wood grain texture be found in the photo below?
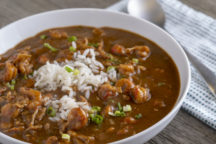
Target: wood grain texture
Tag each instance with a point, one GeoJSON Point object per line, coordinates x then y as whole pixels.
{"type": "Point", "coordinates": [184, 129]}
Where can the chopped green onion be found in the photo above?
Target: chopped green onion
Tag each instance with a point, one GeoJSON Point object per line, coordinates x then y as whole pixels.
{"type": "Point", "coordinates": [66, 137]}
{"type": "Point", "coordinates": [93, 44]}
{"type": "Point", "coordinates": [72, 38]}
{"type": "Point", "coordinates": [47, 45]}
{"type": "Point", "coordinates": [161, 83]}
{"type": "Point", "coordinates": [11, 85]}
{"type": "Point", "coordinates": [13, 82]}
{"type": "Point", "coordinates": [76, 71]}
{"type": "Point", "coordinates": [43, 37]}
{"type": "Point", "coordinates": [120, 107]}
{"type": "Point", "coordinates": [51, 111]}
{"type": "Point", "coordinates": [72, 49]}
{"type": "Point", "coordinates": [127, 108]}
{"type": "Point", "coordinates": [25, 77]}
{"type": "Point", "coordinates": [120, 113]}
{"type": "Point", "coordinates": [110, 68]}
{"type": "Point", "coordinates": [68, 69]}
{"type": "Point", "coordinates": [98, 119]}
{"type": "Point", "coordinates": [138, 116]}
{"type": "Point", "coordinates": [136, 61]}
{"type": "Point", "coordinates": [111, 56]}
{"type": "Point", "coordinates": [96, 108]}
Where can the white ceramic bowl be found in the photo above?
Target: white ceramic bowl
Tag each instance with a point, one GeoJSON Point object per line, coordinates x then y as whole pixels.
{"type": "Point", "coordinates": [24, 28]}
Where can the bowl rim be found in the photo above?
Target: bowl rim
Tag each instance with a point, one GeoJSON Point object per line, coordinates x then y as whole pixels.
{"type": "Point", "coordinates": [177, 104]}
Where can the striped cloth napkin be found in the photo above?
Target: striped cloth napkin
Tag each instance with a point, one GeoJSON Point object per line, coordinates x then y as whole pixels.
{"type": "Point", "coordinates": [196, 32]}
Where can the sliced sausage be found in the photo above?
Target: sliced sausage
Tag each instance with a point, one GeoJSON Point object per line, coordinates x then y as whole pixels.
{"type": "Point", "coordinates": [125, 84]}
{"type": "Point", "coordinates": [142, 51]}
{"type": "Point", "coordinates": [140, 94]}
{"type": "Point", "coordinates": [126, 69]}
{"type": "Point", "coordinates": [107, 91]}
{"type": "Point", "coordinates": [77, 119]}
{"type": "Point", "coordinates": [118, 50]}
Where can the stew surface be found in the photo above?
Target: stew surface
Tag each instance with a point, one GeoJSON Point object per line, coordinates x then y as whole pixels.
{"type": "Point", "coordinates": [84, 85]}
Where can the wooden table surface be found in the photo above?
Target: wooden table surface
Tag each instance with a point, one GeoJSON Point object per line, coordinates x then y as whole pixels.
{"type": "Point", "coordinates": [184, 129]}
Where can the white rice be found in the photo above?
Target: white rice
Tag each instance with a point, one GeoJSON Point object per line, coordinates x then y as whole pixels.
{"type": "Point", "coordinates": [91, 75]}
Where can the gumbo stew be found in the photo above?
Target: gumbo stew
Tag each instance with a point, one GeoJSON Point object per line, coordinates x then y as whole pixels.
{"type": "Point", "coordinates": [84, 85]}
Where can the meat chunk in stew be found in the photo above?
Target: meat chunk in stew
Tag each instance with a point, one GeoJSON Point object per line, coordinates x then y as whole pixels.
{"type": "Point", "coordinates": [118, 50]}
{"type": "Point", "coordinates": [52, 140]}
{"type": "Point", "coordinates": [77, 119]}
{"type": "Point", "coordinates": [9, 72]}
{"type": "Point", "coordinates": [140, 94]}
{"type": "Point", "coordinates": [107, 91]}
{"type": "Point", "coordinates": [126, 69]}
{"type": "Point", "coordinates": [125, 84]}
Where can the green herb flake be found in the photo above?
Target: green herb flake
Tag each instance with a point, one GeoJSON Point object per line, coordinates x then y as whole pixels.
{"type": "Point", "coordinates": [47, 45]}
{"type": "Point", "coordinates": [96, 109]}
{"type": "Point", "coordinates": [76, 71]}
{"type": "Point", "coordinates": [68, 69]}
{"type": "Point", "coordinates": [97, 119]}
{"type": "Point", "coordinates": [119, 106]}
{"type": "Point", "coordinates": [72, 49]}
{"type": "Point", "coordinates": [96, 45]}
{"type": "Point", "coordinates": [138, 116]}
{"type": "Point", "coordinates": [161, 84]}
{"type": "Point", "coordinates": [25, 77]}
{"type": "Point", "coordinates": [119, 113]}
{"type": "Point", "coordinates": [66, 137]}
{"type": "Point", "coordinates": [72, 38]}
{"type": "Point", "coordinates": [51, 111]}
{"type": "Point", "coordinates": [110, 68]}
{"type": "Point", "coordinates": [43, 37]}
{"type": "Point", "coordinates": [11, 85]}
{"type": "Point", "coordinates": [135, 60]}
{"type": "Point", "coordinates": [13, 82]}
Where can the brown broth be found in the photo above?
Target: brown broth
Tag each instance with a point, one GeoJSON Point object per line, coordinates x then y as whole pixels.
{"type": "Point", "coordinates": [161, 77]}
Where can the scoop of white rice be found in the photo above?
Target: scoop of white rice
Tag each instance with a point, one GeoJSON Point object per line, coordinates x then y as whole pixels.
{"type": "Point", "coordinates": [91, 75]}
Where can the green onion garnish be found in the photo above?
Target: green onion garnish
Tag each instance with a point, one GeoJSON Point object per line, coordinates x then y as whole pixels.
{"type": "Point", "coordinates": [138, 116]}
{"type": "Point", "coordinates": [161, 83]}
{"type": "Point", "coordinates": [127, 108]}
{"type": "Point", "coordinates": [43, 37]}
{"type": "Point", "coordinates": [98, 119]}
{"type": "Point", "coordinates": [68, 69]}
{"type": "Point", "coordinates": [47, 45]}
{"type": "Point", "coordinates": [66, 137]}
{"type": "Point", "coordinates": [25, 77]}
{"type": "Point", "coordinates": [76, 71]}
{"type": "Point", "coordinates": [136, 61]}
{"type": "Point", "coordinates": [119, 113]}
{"type": "Point", "coordinates": [51, 111]}
{"type": "Point", "coordinates": [96, 109]}
{"type": "Point", "coordinates": [72, 49]}
{"type": "Point", "coordinates": [13, 82]}
{"type": "Point", "coordinates": [110, 68]}
{"type": "Point", "coordinates": [93, 44]}
{"type": "Point", "coordinates": [11, 85]}
{"type": "Point", "coordinates": [72, 38]}
{"type": "Point", "coordinates": [120, 107]}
